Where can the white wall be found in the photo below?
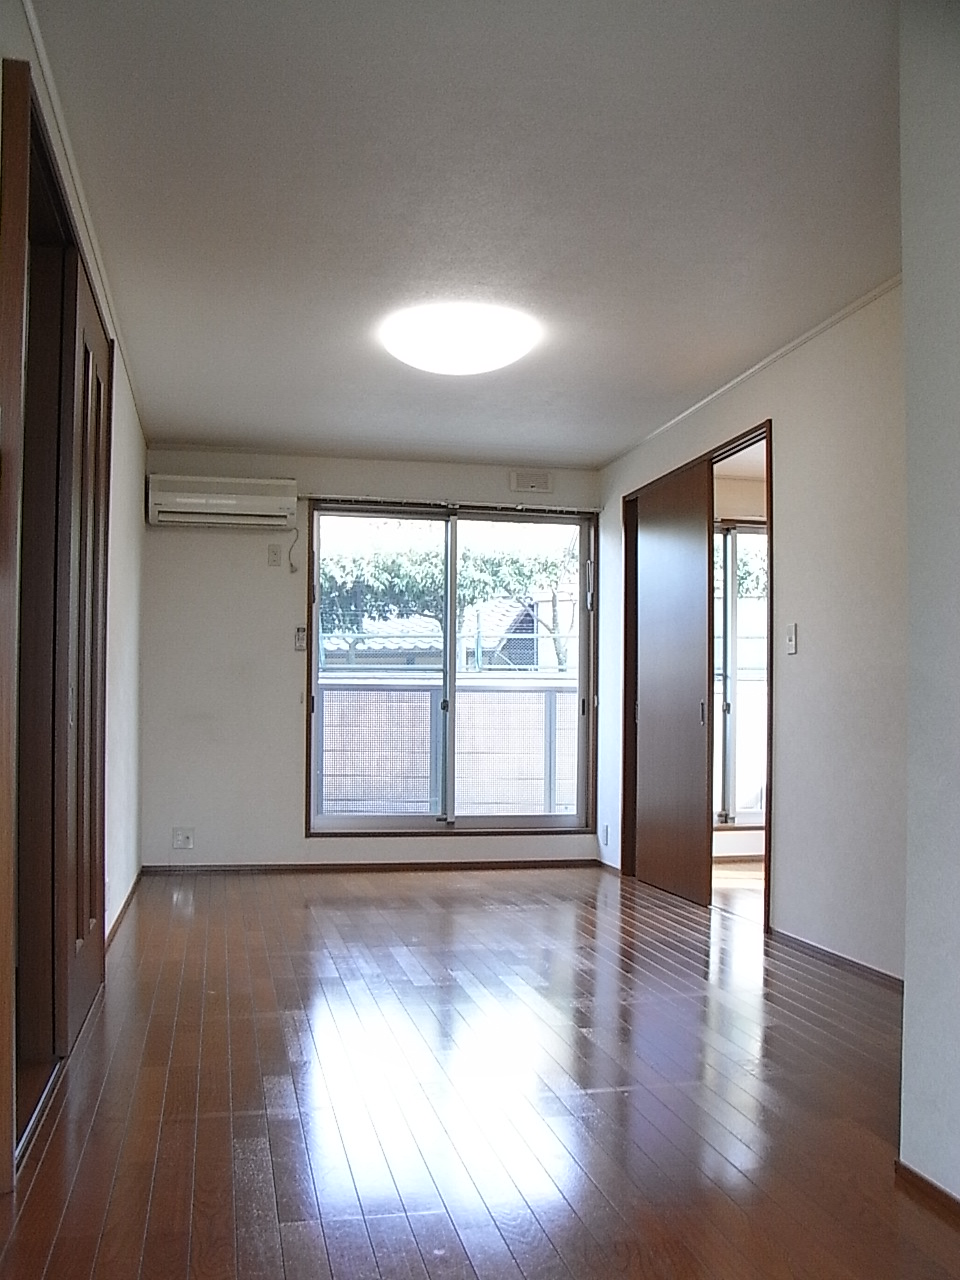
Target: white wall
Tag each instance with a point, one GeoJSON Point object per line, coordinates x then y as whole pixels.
{"type": "Point", "coordinates": [122, 832]}
{"type": "Point", "coordinates": [737, 498]}
{"type": "Point", "coordinates": [445, 482]}
{"type": "Point", "coordinates": [223, 743]}
{"type": "Point", "coordinates": [930, 147]}
{"type": "Point", "coordinates": [838, 837]}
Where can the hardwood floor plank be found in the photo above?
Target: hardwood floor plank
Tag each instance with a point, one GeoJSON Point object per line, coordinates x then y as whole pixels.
{"type": "Point", "coordinates": [292, 1175]}
{"type": "Point", "coordinates": [395, 1248]}
{"type": "Point", "coordinates": [78, 1236]}
{"type": "Point", "coordinates": [441, 1248]}
{"type": "Point", "coordinates": [531, 1075]}
{"type": "Point", "coordinates": [304, 1251]}
{"type": "Point", "coordinates": [259, 1255]}
{"type": "Point", "coordinates": [212, 1224]}
{"type": "Point", "coordinates": [349, 1251]}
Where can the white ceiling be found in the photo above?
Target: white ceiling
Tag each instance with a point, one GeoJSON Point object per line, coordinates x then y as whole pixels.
{"type": "Point", "coordinates": [676, 188]}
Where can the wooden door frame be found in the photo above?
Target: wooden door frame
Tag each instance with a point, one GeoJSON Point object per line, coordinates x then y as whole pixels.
{"type": "Point", "coordinates": [14, 219]}
{"type": "Point", "coordinates": [82, 521]}
{"type": "Point", "coordinates": [763, 432]}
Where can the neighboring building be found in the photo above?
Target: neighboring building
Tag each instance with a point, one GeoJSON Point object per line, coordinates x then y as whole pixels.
{"type": "Point", "coordinates": [500, 634]}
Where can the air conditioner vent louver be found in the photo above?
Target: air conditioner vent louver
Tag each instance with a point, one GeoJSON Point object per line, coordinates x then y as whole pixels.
{"type": "Point", "coordinates": [215, 501]}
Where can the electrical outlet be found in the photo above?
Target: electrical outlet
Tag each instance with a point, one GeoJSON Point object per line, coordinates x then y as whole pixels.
{"type": "Point", "coordinates": [300, 640]}
{"type": "Point", "coordinates": [183, 837]}
{"type": "Point", "coordinates": [274, 552]}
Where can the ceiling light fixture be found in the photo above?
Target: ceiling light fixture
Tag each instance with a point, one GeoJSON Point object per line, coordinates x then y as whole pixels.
{"type": "Point", "coordinates": [459, 337]}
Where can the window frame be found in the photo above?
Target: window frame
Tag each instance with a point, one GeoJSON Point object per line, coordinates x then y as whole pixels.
{"type": "Point", "coordinates": [580, 822]}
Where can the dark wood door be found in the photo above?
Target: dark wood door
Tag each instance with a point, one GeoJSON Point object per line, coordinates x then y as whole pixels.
{"type": "Point", "coordinates": [37, 725]}
{"type": "Point", "coordinates": [674, 523]}
{"type": "Point", "coordinates": [81, 634]}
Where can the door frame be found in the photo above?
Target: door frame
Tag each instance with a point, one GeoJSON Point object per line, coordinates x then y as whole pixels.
{"type": "Point", "coordinates": [14, 205]}
{"type": "Point", "coordinates": [763, 432]}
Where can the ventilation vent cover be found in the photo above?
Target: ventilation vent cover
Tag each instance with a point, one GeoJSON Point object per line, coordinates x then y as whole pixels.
{"type": "Point", "coordinates": [531, 481]}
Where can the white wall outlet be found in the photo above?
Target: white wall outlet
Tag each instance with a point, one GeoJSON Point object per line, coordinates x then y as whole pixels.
{"type": "Point", "coordinates": [274, 552]}
{"type": "Point", "coordinates": [183, 837]}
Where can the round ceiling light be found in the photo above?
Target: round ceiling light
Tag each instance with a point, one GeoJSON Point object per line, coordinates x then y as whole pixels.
{"type": "Point", "coordinates": [459, 337]}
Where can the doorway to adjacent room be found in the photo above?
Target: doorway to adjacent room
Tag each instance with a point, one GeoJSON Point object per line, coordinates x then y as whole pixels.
{"type": "Point", "coordinates": [741, 602]}
{"type": "Point", "coordinates": [697, 678]}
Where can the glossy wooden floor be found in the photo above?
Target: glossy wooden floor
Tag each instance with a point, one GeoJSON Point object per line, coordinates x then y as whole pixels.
{"type": "Point", "coordinates": [497, 1074]}
{"type": "Point", "coordinates": [737, 886]}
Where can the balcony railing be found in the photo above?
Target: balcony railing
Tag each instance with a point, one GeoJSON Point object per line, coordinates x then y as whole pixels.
{"type": "Point", "coordinates": [378, 743]}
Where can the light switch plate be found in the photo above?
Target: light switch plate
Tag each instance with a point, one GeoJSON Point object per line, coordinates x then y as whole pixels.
{"type": "Point", "coordinates": [792, 638]}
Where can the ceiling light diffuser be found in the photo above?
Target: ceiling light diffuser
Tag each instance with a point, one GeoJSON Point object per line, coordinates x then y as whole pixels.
{"type": "Point", "coordinates": [459, 337]}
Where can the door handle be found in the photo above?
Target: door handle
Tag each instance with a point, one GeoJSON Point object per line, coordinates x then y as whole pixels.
{"type": "Point", "coordinates": [703, 712]}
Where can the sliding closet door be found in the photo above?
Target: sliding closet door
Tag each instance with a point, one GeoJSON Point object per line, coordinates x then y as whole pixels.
{"type": "Point", "coordinates": [674, 606]}
{"type": "Point", "coordinates": [81, 631]}
{"type": "Point", "coordinates": [38, 730]}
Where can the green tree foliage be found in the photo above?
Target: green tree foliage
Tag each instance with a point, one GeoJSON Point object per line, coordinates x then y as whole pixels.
{"type": "Point", "coordinates": [410, 583]}
{"type": "Point", "coordinates": [751, 572]}
{"type": "Point", "coordinates": [380, 585]}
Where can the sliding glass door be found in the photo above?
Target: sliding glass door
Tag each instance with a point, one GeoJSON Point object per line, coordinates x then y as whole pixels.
{"type": "Point", "coordinates": [451, 670]}
{"type": "Point", "coordinates": [379, 666]}
{"type": "Point", "coordinates": [518, 671]}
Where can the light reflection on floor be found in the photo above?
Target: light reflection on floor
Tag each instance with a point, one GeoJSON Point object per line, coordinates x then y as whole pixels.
{"type": "Point", "coordinates": [735, 1010]}
{"type": "Point", "coordinates": [488, 1073]}
{"type": "Point", "coordinates": [502, 1043]}
{"type": "Point", "coordinates": [738, 886]}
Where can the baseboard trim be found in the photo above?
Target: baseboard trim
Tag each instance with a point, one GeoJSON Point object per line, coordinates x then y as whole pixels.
{"type": "Point", "coordinates": [123, 910]}
{"type": "Point", "coordinates": [308, 868]}
{"type": "Point", "coordinates": [878, 976]}
{"type": "Point", "coordinates": [927, 1193]}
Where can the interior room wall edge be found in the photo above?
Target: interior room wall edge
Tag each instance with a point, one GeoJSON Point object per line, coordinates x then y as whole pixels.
{"type": "Point", "coordinates": [839, 507]}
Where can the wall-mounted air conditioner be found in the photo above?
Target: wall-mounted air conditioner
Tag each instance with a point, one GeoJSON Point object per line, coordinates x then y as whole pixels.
{"type": "Point", "coordinates": [215, 501]}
